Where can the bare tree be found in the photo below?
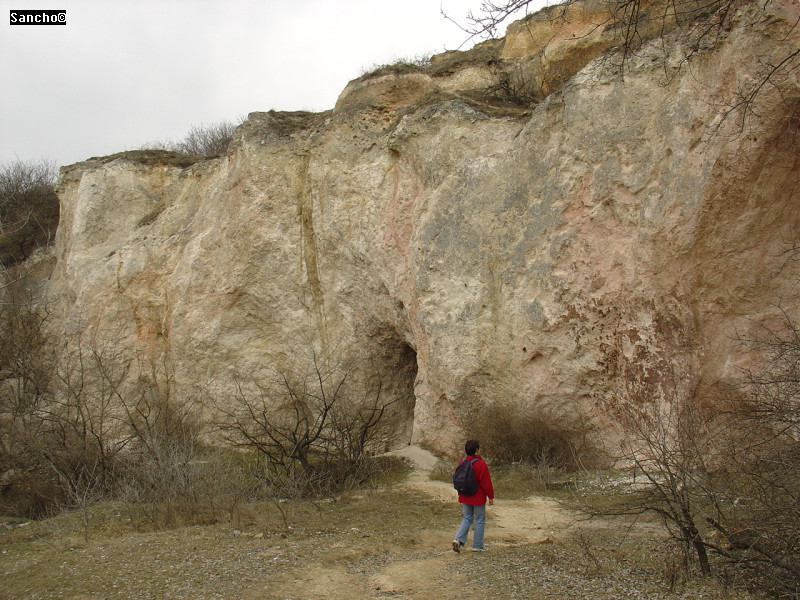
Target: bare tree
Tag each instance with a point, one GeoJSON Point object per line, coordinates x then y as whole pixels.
{"type": "Point", "coordinates": [313, 429]}
{"type": "Point", "coordinates": [88, 421]}
{"type": "Point", "coordinates": [283, 428]}
{"type": "Point", "coordinates": [759, 482]}
{"type": "Point", "coordinates": [719, 463]}
{"type": "Point", "coordinates": [25, 383]}
{"type": "Point", "coordinates": [83, 426]}
{"type": "Point", "coordinates": [28, 208]}
{"type": "Point", "coordinates": [667, 440]}
{"type": "Point", "coordinates": [58, 420]}
{"type": "Point", "coordinates": [355, 424]}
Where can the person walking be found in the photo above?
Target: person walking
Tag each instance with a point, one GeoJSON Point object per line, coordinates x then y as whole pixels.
{"type": "Point", "coordinates": [473, 506]}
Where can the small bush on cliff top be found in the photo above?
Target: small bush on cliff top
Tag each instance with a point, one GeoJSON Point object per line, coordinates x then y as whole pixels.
{"type": "Point", "coordinates": [202, 140]}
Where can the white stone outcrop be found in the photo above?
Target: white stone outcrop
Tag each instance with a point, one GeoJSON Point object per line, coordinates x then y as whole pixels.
{"type": "Point", "coordinates": [618, 231]}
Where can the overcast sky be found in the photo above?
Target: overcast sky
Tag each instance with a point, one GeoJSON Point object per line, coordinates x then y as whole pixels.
{"type": "Point", "coordinates": [121, 73]}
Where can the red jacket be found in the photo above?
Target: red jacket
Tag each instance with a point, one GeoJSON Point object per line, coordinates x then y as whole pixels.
{"type": "Point", "coordinates": [485, 489]}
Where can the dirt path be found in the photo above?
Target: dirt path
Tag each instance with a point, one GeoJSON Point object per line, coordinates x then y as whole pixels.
{"type": "Point", "coordinates": [527, 521]}
{"type": "Point", "coordinates": [381, 570]}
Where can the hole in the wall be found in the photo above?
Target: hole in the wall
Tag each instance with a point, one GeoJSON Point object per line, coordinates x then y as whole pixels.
{"type": "Point", "coordinates": [396, 363]}
{"type": "Point", "coordinates": [406, 370]}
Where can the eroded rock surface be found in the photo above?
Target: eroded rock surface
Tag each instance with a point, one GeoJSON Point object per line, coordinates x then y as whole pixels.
{"type": "Point", "coordinates": [619, 230]}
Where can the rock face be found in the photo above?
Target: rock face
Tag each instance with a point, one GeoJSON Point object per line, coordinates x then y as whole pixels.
{"type": "Point", "coordinates": [619, 231]}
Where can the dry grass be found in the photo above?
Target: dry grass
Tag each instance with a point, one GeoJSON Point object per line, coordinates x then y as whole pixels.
{"type": "Point", "coordinates": [301, 549]}
{"type": "Point", "coordinates": [602, 563]}
{"type": "Point", "coordinates": [50, 559]}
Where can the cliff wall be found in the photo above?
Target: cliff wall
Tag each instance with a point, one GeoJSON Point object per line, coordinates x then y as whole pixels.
{"type": "Point", "coordinates": [619, 230]}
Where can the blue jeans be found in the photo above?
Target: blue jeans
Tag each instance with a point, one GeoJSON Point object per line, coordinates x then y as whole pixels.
{"type": "Point", "coordinates": [478, 515]}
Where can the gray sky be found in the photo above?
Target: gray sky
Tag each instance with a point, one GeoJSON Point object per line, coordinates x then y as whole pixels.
{"type": "Point", "coordinates": [125, 72]}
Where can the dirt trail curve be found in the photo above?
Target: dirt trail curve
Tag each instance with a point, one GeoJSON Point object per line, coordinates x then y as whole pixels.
{"type": "Point", "coordinates": [530, 520]}
{"type": "Point", "coordinates": [378, 569]}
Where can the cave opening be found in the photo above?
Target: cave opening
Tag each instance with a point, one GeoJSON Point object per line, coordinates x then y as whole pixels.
{"type": "Point", "coordinates": [397, 366]}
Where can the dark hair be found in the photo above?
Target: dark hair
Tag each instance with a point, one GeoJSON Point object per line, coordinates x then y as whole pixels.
{"type": "Point", "coordinates": [471, 447]}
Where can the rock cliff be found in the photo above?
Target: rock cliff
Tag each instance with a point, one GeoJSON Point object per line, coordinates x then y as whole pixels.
{"type": "Point", "coordinates": [472, 247]}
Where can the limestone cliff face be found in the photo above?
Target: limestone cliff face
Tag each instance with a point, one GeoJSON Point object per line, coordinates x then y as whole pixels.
{"type": "Point", "coordinates": [619, 231]}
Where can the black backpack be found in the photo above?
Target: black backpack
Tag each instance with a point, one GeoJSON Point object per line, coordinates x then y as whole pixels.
{"type": "Point", "coordinates": [464, 477]}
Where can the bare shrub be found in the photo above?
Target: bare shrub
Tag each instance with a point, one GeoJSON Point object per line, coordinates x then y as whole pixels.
{"type": "Point", "coordinates": [185, 488]}
{"type": "Point", "coordinates": [28, 208]}
{"type": "Point", "coordinates": [516, 87]}
{"type": "Point", "coordinates": [211, 139]}
{"type": "Point", "coordinates": [208, 140]}
{"type": "Point", "coordinates": [513, 433]}
{"type": "Point", "coordinates": [758, 484]}
{"type": "Point", "coordinates": [313, 431]}
{"type": "Point", "coordinates": [106, 425]}
{"type": "Point", "coordinates": [25, 384]}
{"type": "Point", "coordinates": [161, 468]}
{"type": "Point", "coordinates": [84, 432]}
{"type": "Point", "coordinates": [669, 440]}
{"type": "Point", "coordinates": [62, 432]}
{"type": "Point", "coordinates": [720, 464]}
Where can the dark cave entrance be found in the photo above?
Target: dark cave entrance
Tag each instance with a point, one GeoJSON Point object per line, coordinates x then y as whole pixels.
{"type": "Point", "coordinates": [397, 367]}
